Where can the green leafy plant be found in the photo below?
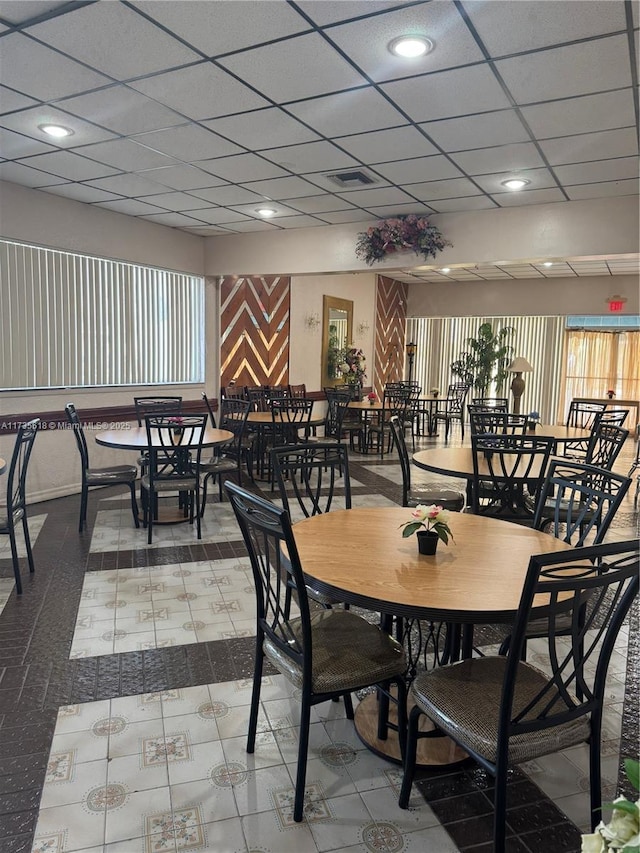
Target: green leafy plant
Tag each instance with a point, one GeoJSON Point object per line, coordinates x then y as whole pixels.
{"type": "Point", "coordinates": [486, 360]}
{"type": "Point", "coordinates": [433, 518]}
{"type": "Point", "coordinates": [623, 830]}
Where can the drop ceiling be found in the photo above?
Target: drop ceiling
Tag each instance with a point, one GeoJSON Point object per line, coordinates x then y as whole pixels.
{"type": "Point", "coordinates": [194, 114]}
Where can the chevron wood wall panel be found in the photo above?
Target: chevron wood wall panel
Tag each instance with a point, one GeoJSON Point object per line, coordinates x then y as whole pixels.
{"type": "Point", "coordinates": [391, 316]}
{"type": "Point", "coordinates": [254, 330]}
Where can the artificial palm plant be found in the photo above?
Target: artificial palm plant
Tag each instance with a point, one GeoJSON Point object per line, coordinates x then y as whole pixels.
{"type": "Point", "coordinates": [485, 362]}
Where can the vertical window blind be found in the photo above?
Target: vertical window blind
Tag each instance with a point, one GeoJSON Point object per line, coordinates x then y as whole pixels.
{"type": "Point", "coordinates": [74, 321]}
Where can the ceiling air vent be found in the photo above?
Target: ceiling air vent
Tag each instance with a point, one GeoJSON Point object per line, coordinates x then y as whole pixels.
{"type": "Point", "coordinates": [348, 180]}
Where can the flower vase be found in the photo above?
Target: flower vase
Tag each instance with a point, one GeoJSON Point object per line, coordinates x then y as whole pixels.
{"type": "Point", "coordinates": [531, 426]}
{"type": "Point", "coordinates": [427, 541]}
{"type": "Point", "coordinates": [610, 395]}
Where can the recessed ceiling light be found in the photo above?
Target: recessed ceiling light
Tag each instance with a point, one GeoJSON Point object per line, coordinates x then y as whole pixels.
{"type": "Point", "coordinates": [547, 264]}
{"type": "Point", "coordinates": [515, 183]}
{"type": "Point", "coordinates": [445, 269]}
{"type": "Point", "coordinates": [56, 130]}
{"type": "Point", "coordinates": [409, 47]}
{"type": "Point", "coordinates": [266, 211]}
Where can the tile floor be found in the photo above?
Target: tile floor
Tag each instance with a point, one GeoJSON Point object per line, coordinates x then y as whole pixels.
{"type": "Point", "coordinates": [124, 691]}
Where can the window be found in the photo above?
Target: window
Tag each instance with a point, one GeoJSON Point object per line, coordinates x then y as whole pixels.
{"type": "Point", "coordinates": [74, 321]}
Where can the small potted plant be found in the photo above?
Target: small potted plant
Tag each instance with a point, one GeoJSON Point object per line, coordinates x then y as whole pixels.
{"type": "Point", "coordinates": [372, 397]}
{"type": "Point", "coordinates": [533, 419]}
{"type": "Point", "coordinates": [434, 519]}
{"type": "Point", "coordinates": [176, 424]}
{"type": "Point", "coordinates": [435, 392]}
{"type": "Point", "coordinates": [611, 393]}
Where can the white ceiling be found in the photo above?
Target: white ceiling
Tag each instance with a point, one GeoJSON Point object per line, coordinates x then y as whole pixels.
{"type": "Point", "coordinates": [192, 114]}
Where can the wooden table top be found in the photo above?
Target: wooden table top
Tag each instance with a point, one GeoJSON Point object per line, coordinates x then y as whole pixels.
{"type": "Point", "coordinates": [365, 405]}
{"type": "Point", "coordinates": [135, 438]}
{"type": "Point", "coordinates": [458, 462]}
{"type": "Point", "coordinates": [359, 556]}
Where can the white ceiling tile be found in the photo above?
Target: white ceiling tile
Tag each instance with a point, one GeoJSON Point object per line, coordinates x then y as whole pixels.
{"type": "Point", "coordinates": [182, 177]}
{"type": "Point", "coordinates": [177, 220]}
{"type": "Point", "coordinates": [281, 188]}
{"type": "Point", "coordinates": [224, 30]}
{"type": "Point", "coordinates": [16, 145]}
{"type": "Point", "coordinates": [336, 217]}
{"type": "Point", "coordinates": [387, 145]}
{"type": "Point", "coordinates": [228, 194]}
{"type": "Point", "coordinates": [367, 41]}
{"type": "Point", "coordinates": [451, 205]}
{"type": "Point", "coordinates": [176, 201]}
{"type": "Point", "coordinates": [330, 11]}
{"type": "Point", "coordinates": [454, 188]}
{"type": "Point", "coordinates": [262, 129]}
{"type": "Point", "coordinates": [541, 196]}
{"type": "Point", "coordinates": [582, 148]}
{"type": "Point", "coordinates": [17, 11]}
{"type": "Point", "coordinates": [475, 131]}
{"type": "Point", "coordinates": [131, 206]}
{"type": "Point", "coordinates": [250, 225]}
{"type": "Point", "coordinates": [241, 168]}
{"type": "Point", "coordinates": [122, 110]}
{"type": "Point", "coordinates": [506, 27]}
{"type": "Point", "coordinates": [28, 121]}
{"type": "Point", "coordinates": [115, 40]}
{"type": "Point", "coordinates": [129, 185]}
{"type": "Point", "coordinates": [16, 173]}
{"type": "Point", "coordinates": [564, 71]}
{"type": "Point", "coordinates": [319, 203]}
{"type": "Point", "coordinates": [10, 100]}
{"type": "Point", "coordinates": [401, 209]}
{"type": "Point", "coordinates": [376, 197]}
{"type": "Point", "coordinates": [36, 70]}
{"type": "Point", "coordinates": [125, 155]}
{"type": "Point", "coordinates": [581, 115]}
{"type": "Point", "coordinates": [81, 192]}
{"type": "Point", "coordinates": [539, 178]}
{"type": "Point", "coordinates": [311, 157]}
{"type": "Point", "coordinates": [347, 112]}
{"type": "Point", "coordinates": [300, 221]}
{"type": "Point", "coordinates": [207, 230]}
{"type": "Point", "coordinates": [509, 158]}
{"type": "Point", "coordinates": [69, 165]}
{"type": "Point", "coordinates": [200, 92]}
{"type": "Point", "coordinates": [325, 183]}
{"type": "Point", "coordinates": [269, 69]}
{"type": "Point", "coordinates": [419, 170]}
{"type": "Point", "coordinates": [605, 189]}
{"type": "Point", "coordinates": [448, 93]}
{"type": "Point", "coordinates": [200, 143]}
{"type": "Point", "coordinates": [605, 170]}
{"type": "Point", "coordinates": [251, 209]}
{"type": "Point", "coordinates": [220, 215]}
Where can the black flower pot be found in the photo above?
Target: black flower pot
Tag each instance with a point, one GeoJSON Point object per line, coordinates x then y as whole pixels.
{"type": "Point", "coordinates": [427, 541]}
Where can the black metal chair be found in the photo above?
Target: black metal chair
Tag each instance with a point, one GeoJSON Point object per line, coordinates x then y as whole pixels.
{"type": "Point", "coordinates": [508, 473]}
{"type": "Point", "coordinates": [16, 508]}
{"type": "Point", "coordinates": [635, 465]}
{"type": "Point", "coordinates": [496, 421]}
{"type": "Point", "coordinates": [615, 417]}
{"type": "Point", "coordinates": [228, 458]}
{"type": "Point", "coordinates": [175, 451]}
{"type": "Point", "coordinates": [337, 408]}
{"type": "Point", "coordinates": [396, 401]}
{"type": "Point", "coordinates": [154, 406]}
{"type": "Point", "coordinates": [606, 443]}
{"type": "Point", "coordinates": [446, 498]}
{"type": "Point", "coordinates": [582, 416]}
{"type": "Point", "coordinates": [324, 654]}
{"type": "Point", "coordinates": [503, 711]}
{"type": "Point", "coordinates": [500, 404]}
{"type": "Point", "coordinates": [452, 408]}
{"type": "Point", "coordinates": [212, 416]}
{"type": "Point", "coordinates": [115, 475]}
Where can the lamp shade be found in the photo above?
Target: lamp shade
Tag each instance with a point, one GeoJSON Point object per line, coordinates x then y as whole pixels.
{"type": "Point", "coordinates": [520, 365]}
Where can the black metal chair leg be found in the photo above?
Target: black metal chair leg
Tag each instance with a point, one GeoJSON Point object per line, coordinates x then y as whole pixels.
{"type": "Point", "coordinates": [15, 560]}
{"type": "Point", "coordinates": [301, 774]}
{"type": "Point", "coordinates": [500, 811]}
{"type": "Point", "coordinates": [134, 505]}
{"type": "Point", "coordinates": [409, 758]}
{"type": "Point", "coordinates": [255, 695]}
{"type": "Point", "coordinates": [27, 543]}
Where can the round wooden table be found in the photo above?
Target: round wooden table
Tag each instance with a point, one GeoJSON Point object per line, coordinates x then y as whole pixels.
{"type": "Point", "coordinates": [359, 556]}
{"type": "Point", "coordinates": [135, 438]}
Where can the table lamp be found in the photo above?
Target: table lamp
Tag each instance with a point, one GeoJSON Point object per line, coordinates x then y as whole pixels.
{"type": "Point", "coordinates": [518, 366]}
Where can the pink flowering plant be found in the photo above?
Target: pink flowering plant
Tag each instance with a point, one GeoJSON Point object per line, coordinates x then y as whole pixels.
{"type": "Point", "coordinates": [413, 233]}
{"type": "Point", "coordinates": [433, 518]}
{"type": "Point", "coordinates": [354, 365]}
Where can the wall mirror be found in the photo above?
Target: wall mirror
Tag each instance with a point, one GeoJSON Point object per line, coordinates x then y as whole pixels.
{"type": "Point", "coordinates": [337, 331]}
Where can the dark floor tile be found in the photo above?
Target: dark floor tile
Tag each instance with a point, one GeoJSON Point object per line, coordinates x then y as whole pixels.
{"type": "Point", "coordinates": [17, 823]}
{"type": "Point", "coordinates": [469, 805]}
{"type": "Point", "coordinates": [438, 786]}
{"type": "Point", "coordinates": [474, 830]}
{"type": "Point", "coordinates": [23, 800]}
{"type": "Point", "coordinates": [17, 843]}
{"type": "Point", "coordinates": [513, 845]}
{"type": "Point", "coordinates": [562, 838]}
{"type": "Point", "coordinates": [534, 816]}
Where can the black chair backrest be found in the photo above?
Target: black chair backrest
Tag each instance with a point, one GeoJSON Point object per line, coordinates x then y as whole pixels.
{"type": "Point", "coordinates": [17, 473]}
{"type": "Point", "coordinates": [156, 406]}
{"type": "Point", "coordinates": [397, 431]}
{"type": "Point", "coordinates": [266, 530]}
{"type": "Point", "coordinates": [354, 389]}
{"type": "Point", "coordinates": [175, 445]}
{"type": "Point", "coordinates": [456, 396]}
{"type": "Point", "coordinates": [337, 405]}
{"type": "Point", "coordinates": [207, 403]}
{"type": "Point", "coordinates": [497, 422]}
{"type": "Point", "coordinates": [578, 502]}
{"type": "Point", "coordinates": [503, 466]}
{"type": "Point", "coordinates": [258, 397]}
{"type": "Point", "coordinates": [235, 391]}
{"type": "Point", "coordinates": [78, 434]}
{"type": "Point", "coordinates": [584, 415]}
{"type": "Point", "coordinates": [606, 578]}
{"type": "Point", "coordinates": [289, 414]}
{"type": "Point", "coordinates": [233, 417]}
{"type": "Point", "coordinates": [500, 404]}
{"type": "Point", "coordinates": [396, 401]}
{"type": "Point", "coordinates": [298, 390]}
{"type": "Point", "coordinates": [615, 417]}
{"type": "Point", "coordinates": [605, 445]}
{"type": "Point", "coordinates": [312, 478]}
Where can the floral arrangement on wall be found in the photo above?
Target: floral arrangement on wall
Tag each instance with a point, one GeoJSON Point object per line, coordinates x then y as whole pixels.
{"type": "Point", "coordinates": [402, 233]}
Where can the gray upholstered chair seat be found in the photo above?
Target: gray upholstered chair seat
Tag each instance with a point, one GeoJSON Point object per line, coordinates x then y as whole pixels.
{"type": "Point", "coordinates": [219, 465]}
{"type": "Point", "coordinates": [464, 700]}
{"type": "Point", "coordinates": [446, 498]}
{"type": "Point", "coordinates": [104, 476]}
{"type": "Point", "coordinates": [348, 653]}
{"type": "Point", "coordinates": [18, 515]}
{"type": "Point", "coordinates": [175, 485]}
